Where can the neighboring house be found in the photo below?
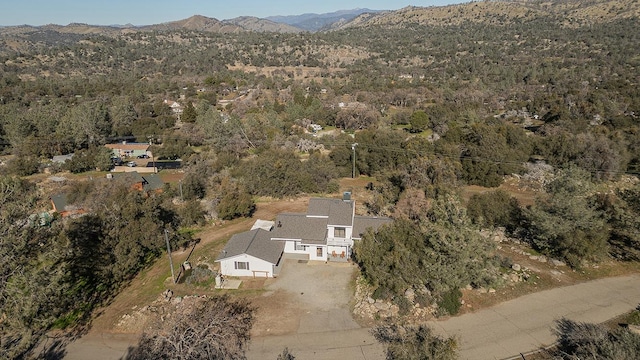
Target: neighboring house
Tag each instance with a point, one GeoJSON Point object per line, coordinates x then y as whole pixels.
{"type": "Point", "coordinates": [126, 149]}
{"type": "Point", "coordinates": [142, 182]}
{"type": "Point", "coordinates": [326, 231]}
{"type": "Point", "coordinates": [61, 206]}
{"type": "Point", "coordinates": [175, 107]}
{"type": "Point", "coordinates": [251, 253]}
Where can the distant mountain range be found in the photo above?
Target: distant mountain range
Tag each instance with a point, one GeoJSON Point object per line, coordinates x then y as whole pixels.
{"type": "Point", "coordinates": [569, 12]}
{"type": "Point", "coordinates": [262, 25]}
{"type": "Point", "coordinates": [280, 24]}
{"type": "Point", "coordinates": [316, 22]}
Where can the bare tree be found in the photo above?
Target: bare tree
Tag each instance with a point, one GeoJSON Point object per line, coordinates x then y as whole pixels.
{"type": "Point", "coordinates": [414, 342]}
{"type": "Point", "coordinates": [211, 328]}
{"type": "Point", "coordinates": [285, 355]}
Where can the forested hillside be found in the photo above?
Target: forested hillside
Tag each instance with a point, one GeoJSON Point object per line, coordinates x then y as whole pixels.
{"type": "Point", "coordinates": [433, 99]}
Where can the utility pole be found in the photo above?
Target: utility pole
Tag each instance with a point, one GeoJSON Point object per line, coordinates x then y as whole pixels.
{"type": "Point", "coordinates": [153, 157]}
{"type": "Point", "coordinates": [181, 197]}
{"type": "Point", "coordinates": [353, 172]}
{"type": "Point", "coordinates": [166, 238]}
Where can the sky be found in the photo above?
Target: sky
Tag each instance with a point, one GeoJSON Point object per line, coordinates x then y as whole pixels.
{"type": "Point", "coordinates": [147, 12]}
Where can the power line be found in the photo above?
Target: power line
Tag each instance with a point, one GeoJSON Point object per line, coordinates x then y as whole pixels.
{"type": "Point", "coordinates": [363, 147]}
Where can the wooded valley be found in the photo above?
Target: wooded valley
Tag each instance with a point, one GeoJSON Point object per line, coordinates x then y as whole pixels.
{"type": "Point", "coordinates": [421, 109]}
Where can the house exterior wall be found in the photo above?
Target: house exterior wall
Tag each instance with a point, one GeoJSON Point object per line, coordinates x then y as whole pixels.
{"type": "Point", "coordinates": [342, 252]}
{"type": "Point", "coordinates": [312, 250]}
{"type": "Point", "coordinates": [129, 153]}
{"type": "Point", "coordinates": [257, 267]}
{"type": "Point", "coordinates": [135, 153]}
{"type": "Point", "coordinates": [277, 268]}
{"type": "Point", "coordinates": [346, 241]}
{"type": "Point", "coordinates": [290, 248]}
{"type": "Point", "coordinates": [129, 149]}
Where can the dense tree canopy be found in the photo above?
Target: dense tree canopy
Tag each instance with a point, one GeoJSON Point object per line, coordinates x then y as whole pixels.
{"type": "Point", "coordinates": [568, 224]}
{"type": "Point", "coordinates": [440, 252]}
{"type": "Point", "coordinates": [55, 273]}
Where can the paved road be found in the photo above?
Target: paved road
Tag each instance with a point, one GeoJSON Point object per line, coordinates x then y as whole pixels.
{"type": "Point", "coordinates": [505, 330]}
{"type": "Point", "coordinates": [101, 347]}
{"type": "Point", "coordinates": [352, 344]}
{"type": "Point", "coordinates": [525, 323]}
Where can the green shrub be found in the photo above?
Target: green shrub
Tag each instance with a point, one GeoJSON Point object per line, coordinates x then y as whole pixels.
{"type": "Point", "coordinates": [423, 299]}
{"type": "Point", "coordinates": [381, 293]}
{"type": "Point", "coordinates": [191, 213]}
{"type": "Point", "coordinates": [450, 302]}
{"type": "Point", "coordinates": [495, 208]}
{"type": "Point", "coordinates": [199, 275]}
{"type": "Point", "coordinates": [415, 342]}
{"type": "Point", "coordinates": [594, 341]}
{"type": "Point", "coordinates": [403, 304]}
{"type": "Point", "coordinates": [634, 318]}
{"type": "Point", "coordinates": [235, 203]}
{"type": "Point", "coordinates": [23, 166]}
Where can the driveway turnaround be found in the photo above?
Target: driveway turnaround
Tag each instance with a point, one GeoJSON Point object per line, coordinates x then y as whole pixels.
{"type": "Point", "coordinates": [325, 329]}
{"type": "Point", "coordinates": [526, 323]}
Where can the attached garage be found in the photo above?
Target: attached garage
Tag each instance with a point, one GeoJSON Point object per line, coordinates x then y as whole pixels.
{"type": "Point", "coordinates": [251, 254]}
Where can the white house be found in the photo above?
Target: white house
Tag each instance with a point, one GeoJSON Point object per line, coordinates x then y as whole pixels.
{"type": "Point", "coordinates": [326, 232]}
{"type": "Point", "coordinates": [176, 108]}
{"type": "Point", "coordinates": [251, 253]}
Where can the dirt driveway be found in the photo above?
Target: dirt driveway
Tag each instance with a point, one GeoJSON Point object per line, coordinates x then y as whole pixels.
{"type": "Point", "coordinates": [313, 318]}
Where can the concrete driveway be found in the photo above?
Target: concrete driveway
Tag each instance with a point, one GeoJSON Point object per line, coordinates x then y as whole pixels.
{"type": "Point", "coordinates": [326, 329]}
{"type": "Point", "coordinates": [525, 324]}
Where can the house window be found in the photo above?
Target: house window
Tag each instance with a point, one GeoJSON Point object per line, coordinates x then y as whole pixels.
{"type": "Point", "coordinates": [300, 247]}
{"type": "Point", "coordinates": [242, 265]}
{"type": "Point", "coordinates": [319, 251]}
{"type": "Point", "coordinates": [340, 232]}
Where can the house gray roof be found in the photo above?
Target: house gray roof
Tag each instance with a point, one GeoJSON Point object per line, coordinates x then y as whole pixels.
{"type": "Point", "coordinates": [152, 182]}
{"type": "Point", "coordinates": [132, 177]}
{"type": "Point", "coordinates": [256, 243]}
{"type": "Point", "coordinates": [362, 223]}
{"type": "Point", "coordinates": [319, 207]}
{"type": "Point", "coordinates": [299, 226]}
{"type": "Point", "coordinates": [338, 212]}
{"type": "Point", "coordinates": [59, 202]}
{"type": "Point", "coordinates": [341, 213]}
